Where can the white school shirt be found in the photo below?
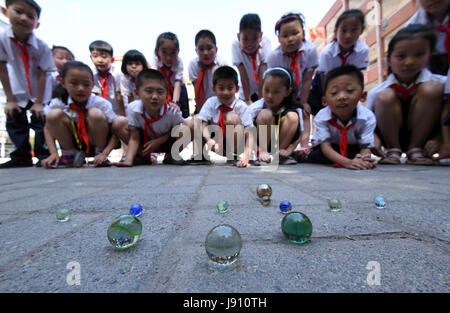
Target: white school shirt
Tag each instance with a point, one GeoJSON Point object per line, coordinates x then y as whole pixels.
{"type": "Point", "coordinates": [424, 76]}
{"type": "Point", "coordinates": [50, 85]}
{"type": "Point", "coordinates": [93, 102]}
{"type": "Point", "coordinates": [40, 57]}
{"type": "Point", "coordinates": [256, 107]}
{"type": "Point", "coordinates": [127, 86]}
{"type": "Point", "coordinates": [210, 111]}
{"type": "Point", "coordinates": [422, 17]}
{"type": "Point", "coordinates": [308, 60]}
{"type": "Point", "coordinates": [113, 87]}
{"type": "Point", "coordinates": [195, 67]}
{"type": "Point", "coordinates": [177, 69]}
{"type": "Point", "coordinates": [238, 57]}
{"type": "Point", "coordinates": [361, 133]}
{"type": "Point", "coordinates": [161, 127]}
{"type": "Point", "coordinates": [329, 57]}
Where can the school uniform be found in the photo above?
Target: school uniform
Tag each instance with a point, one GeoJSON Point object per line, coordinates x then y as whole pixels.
{"type": "Point", "coordinates": [330, 58]}
{"type": "Point", "coordinates": [251, 63]}
{"type": "Point", "coordinates": [127, 87]}
{"type": "Point", "coordinates": [151, 128]}
{"type": "Point", "coordinates": [440, 59]}
{"type": "Point", "coordinates": [256, 107]}
{"type": "Point", "coordinates": [306, 59]}
{"type": "Point", "coordinates": [203, 75]}
{"type": "Point", "coordinates": [173, 75]}
{"type": "Point", "coordinates": [78, 115]}
{"type": "Point", "coordinates": [347, 140]}
{"type": "Point", "coordinates": [24, 88]}
{"type": "Point", "coordinates": [405, 94]}
{"type": "Point", "coordinates": [50, 85]}
{"type": "Point", "coordinates": [107, 85]}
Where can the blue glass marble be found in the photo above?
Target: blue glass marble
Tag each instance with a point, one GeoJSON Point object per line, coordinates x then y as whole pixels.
{"type": "Point", "coordinates": [380, 203]}
{"type": "Point", "coordinates": [285, 207]}
{"type": "Point", "coordinates": [136, 209]}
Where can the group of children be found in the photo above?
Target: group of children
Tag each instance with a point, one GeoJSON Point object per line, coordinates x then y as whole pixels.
{"type": "Point", "coordinates": [265, 106]}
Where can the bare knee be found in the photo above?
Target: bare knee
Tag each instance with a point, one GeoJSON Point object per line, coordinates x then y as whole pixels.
{"type": "Point", "coordinates": [95, 116]}
{"type": "Point", "coordinates": [430, 89]}
{"type": "Point", "coordinates": [265, 117]}
{"type": "Point", "coordinates": [232, 118]}
{"type": "Point", "coordinates": [290, 119]}
{"type": "Point", "coordinates": [55, 116]}
{"type": "Point", "coordinates": [119, 123]}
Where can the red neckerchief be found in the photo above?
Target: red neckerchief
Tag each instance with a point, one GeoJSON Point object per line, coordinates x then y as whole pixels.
{"type": "Point", "coordinates": [254, 56]}
{"type": "Point", "coordinates": [168, 76]}
{"type": "Point", "coordinates": [405, 93]}
{"type": "Point", "coordinates": [25, 60]}
{"type": "Point", "coordinates": [343, 57]}
{"type": "Point", "coordinates": [148, 124]}
{"type": "Point", "coordinates": [200, 86]}
{"type": "Point", "coordinates": [446, 30]}
{"type": "Point", "coordinates": [295, 67]}
{"type": "Point", "coordinates": [343, 141]}
{"type": "Point", "coordinates": [105, 89]}
{"type": "Point", "coordinates": [222, 124]}
{"type": "Point", "coordinates": [81, 125]}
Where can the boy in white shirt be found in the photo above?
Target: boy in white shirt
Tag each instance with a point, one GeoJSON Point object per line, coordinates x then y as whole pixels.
{"type": "Point", "coordinates": [24, 63]}
{"type": "Point", "coordinates": [344, 129]}
{"type": "Point", "coordinates": [249, 53]}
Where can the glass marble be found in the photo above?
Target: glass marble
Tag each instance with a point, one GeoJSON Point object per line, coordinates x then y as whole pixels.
{"type": "Point", "coordinates": [380, 203]}
{"type": "Point", "coordinates": [136, 209]}
{"type": "Point", "coordinates": [124, 231]}
{"type": "Point", "coordinates": [223, 244]}
{"type": "Point", "coordinates": [264, 190]}
{"type": "Point", "coordinates": [265, 200]}
{"type": "Point", "coordinates": [335, 205]}
{"type": "Point", "coordinates": [63, 215]}
{"type": "Point", "coordinates": [285, 207]}
{"type": "Point", "coordinates": [296, 227]}
{"type": "Point", "coordinates": [222, 206]}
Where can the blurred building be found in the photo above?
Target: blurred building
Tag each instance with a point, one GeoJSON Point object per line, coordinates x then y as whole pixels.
{"type": "Point", "coordinates": [383, 19]}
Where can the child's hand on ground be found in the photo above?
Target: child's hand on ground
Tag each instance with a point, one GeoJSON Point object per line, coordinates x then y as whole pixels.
{"type": "Point", "coordinates": [243, 163]}
{"type": "Point", "coordinates": [358, 163]}
{"type": "Point", "coordinates": [125, 163]}
{"type": "Point", "coordinates": [214, 146]}
{"type": "Point", "coordinates": [431, 147]}
{"type": "Point", "coordinates": [264, 156]}
{"type": "Point", "coordinates": [150, 146]}
{"type": "Point", "coordinates": [284, 153]}
{"type": "Point", "coordinates": [51, 161]}
{"type": "Point", "coordinates": [100, 159]}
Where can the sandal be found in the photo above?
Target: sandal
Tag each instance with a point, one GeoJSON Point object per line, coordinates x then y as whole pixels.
{"type": "Point", "coordinates": [392, 157]}
{"type": "Point", "coordinates": [443, 160]}
{"type": "Point", "coordinates": [416, 157]}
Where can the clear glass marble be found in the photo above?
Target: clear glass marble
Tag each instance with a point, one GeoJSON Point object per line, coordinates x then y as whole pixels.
{"type": "Point", "coordinates": [335, 205]}
{"type": "Point", "coordinates": [223, 244]}
{"type": "Point", "coordinates": [124, 231]}
{"type": "Point", "coordinates": [63, 215]}
{"type": "Point", "coordinates": [222, 206]}
{"type": "Point", "coordinates": [296, 227]}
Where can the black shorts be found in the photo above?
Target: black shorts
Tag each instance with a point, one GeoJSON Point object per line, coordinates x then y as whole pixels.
{"type": "Point", "coordinates": [316, 94]}
{"type": "Point", "coordinates": [316, 155]}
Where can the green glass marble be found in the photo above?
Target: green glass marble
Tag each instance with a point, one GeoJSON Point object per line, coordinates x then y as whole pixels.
{"type": "Point", "coordinates": [222, 206]}
{"type": "Point", "coordinates": [296, 227]}
{"type": "Point", "coordinates": [63, 215]}
{"type": "Point", "coordinates": [335, 205]}
{"type": "Point", "coordinates": [223, 244]}
{"type": "Point", "coordinates": [124, 231]}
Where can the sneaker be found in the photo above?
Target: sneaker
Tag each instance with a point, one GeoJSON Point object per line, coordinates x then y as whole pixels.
{"type": "Point", "coordinates": [66, 160]}
{"type": "Point", "coordinates": [301, 155]}
{"type": "Point", "coordinates": [288, 161]}
{"type": "Point", "coordinates": [17, 163]}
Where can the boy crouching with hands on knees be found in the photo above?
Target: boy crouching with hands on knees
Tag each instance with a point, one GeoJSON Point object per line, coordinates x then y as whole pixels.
{"type": "Point", "coordinates": [344, 129]}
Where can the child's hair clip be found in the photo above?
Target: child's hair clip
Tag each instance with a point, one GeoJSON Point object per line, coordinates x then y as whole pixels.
{"type": "Point", "coordinates": [295, 14]}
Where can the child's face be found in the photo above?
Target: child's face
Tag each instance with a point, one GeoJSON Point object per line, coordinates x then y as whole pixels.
{"type": "Point", "coordinates": [226, 89]}
{"type": "Point", "coordinates": [79, 84]}
{"type": "Point", "coordinates": [61, 56]}
{"type": "Point", "coordinates": [134, 68]}
{"type": "Point", "coordinates": [153, 94]}
{"type": "Point", "coordinates": [291, 36]}
{"type": "Point", "coordinates": [168, 53]}
{"type": "Point", "coordinates": [249, 40]}
{"type": "Point", "coordinates": [274, 91]}
{"type": "Point", "coordinates": [23, 18]}
{"type": "Point", "coordinates": [342, 96]}
{"type": "Point", "coordinates": [408, 58]}
{"type": "Point", "coordinates": [435, 7]}
{"type": "Point", "coordinates": [348, 32]}
{"type": "Point", "coordinates": [206, 51]}
{"type": "Point", "coordinates": [102, 60]}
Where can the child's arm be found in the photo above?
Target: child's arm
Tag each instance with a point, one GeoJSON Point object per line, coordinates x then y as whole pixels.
{"type": "Point", "coordinates": [358, 163]}
{"type": "Point", "coordinates": [120, 103]}
{"type": "Point", "coordinates": [38, 106]}
{"type": "Point", "coordinates": [133, 147]}
{"type": "Point", "coordinates": [207, 136]}
{"type": "Point", "coordinates": [248, 148]}
{"type": "Point", "coordinates": [11, 104]}
{"type": "Point", "coordinates": [153, 145]}
{"type": "Point", "coordinates": [176, 92]}
{"type": "Point", "coordinates": [306, 86]}
{"type": "Point", "coordinates": [245, 83]}
{"type": "Point", "coordinates": [53, 158]}
{"type": "Point", "coordinates": [262, 69]}
{"type": "Point", "coordinates": [102, 157]}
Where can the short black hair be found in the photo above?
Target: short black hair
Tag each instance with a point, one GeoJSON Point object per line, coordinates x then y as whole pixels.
{"type": "Point", "coordinates": [344, 70]}
{"type": "Point", "coordinates": [225, 72]}
{"type": "Point", "coordinates": [54, 48]}
{"type": "Point", "coordinates": [250, 21]}
{"type": "Point", "coordinates": [60, 92]}
{"type": "Point", "coordinates": [204, 33]}
{"type": "Point", "coordinates": [101, 45]}
{"type": "Point", "coordinates": [150, 74]}
{"type": "Point", "coordinates": [29, 2]}
{"type": "Point", "coordinates": [133, 56]}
